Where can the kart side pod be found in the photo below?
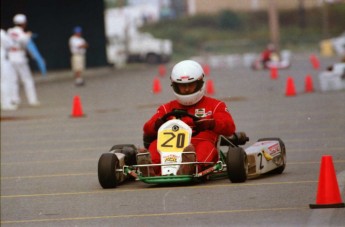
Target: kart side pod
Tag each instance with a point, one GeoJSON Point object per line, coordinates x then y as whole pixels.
{"type": "Point", "coordinates": [267, 155]}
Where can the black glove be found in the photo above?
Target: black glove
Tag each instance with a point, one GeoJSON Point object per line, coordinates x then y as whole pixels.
{"type": "Point", "coordinates": [158, 124]}
{"type": "Point", "coordinates": [148, 140]}
{"type": "Point", "coordinates": [204, 124]}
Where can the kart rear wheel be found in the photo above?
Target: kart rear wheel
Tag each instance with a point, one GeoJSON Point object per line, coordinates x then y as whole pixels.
{"type": "Point", "coordinates": [237, 165]}
{"type": "Point", "coordinates": [107, 165]}
{"type": "Point", "coordinates": [281, 168]}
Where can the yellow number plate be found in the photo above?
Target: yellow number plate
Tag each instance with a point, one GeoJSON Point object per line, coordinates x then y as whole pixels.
{"type": "Point", "coordinates": [172, 141]}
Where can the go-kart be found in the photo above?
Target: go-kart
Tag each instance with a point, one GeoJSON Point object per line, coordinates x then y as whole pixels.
{"type": "Point", "coordinates": [275, 61]}
{"type": "Point", "coordinates": [267, 155]}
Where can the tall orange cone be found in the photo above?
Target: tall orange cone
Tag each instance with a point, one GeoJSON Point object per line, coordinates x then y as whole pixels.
{"type": "Point", "coordinates": [274, 73]}
{"type": "Point", "coordinates": [162, 70]}
{"type": "Point", "coordinates": [314, 61]}
{"type": "Point", "coordinates": [290, 87]}
{"type": "Point", "coordinates": [206, 69]}
{"type": "Point", "coordinates": [309, 87]}
{"type": "Point", "coordinates": [156, 87]}
{"type": "Point", "coordinates": [77, 110]}
{"type": "Point", "coordinates": [209, 87]}
{"type": "Point", "coordinates": [328, 193]}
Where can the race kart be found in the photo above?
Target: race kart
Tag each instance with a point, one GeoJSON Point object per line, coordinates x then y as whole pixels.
{"type": "Point", "coordinates": [267, 155]}
{"type": "Point", "coordinates": [258, 65]}
{"type": "Point", "coordinates": [275, 61]}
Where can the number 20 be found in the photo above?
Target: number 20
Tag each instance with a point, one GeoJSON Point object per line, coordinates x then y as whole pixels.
{"type": "Point", "coordinates": [179, 141]}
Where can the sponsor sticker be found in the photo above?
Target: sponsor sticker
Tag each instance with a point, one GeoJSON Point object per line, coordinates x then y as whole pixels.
{"type": "Point", "coordinates": [200, 112]}
{"type": "Point", "coordinates": [274, 149]}
{"type": "Point", "coordinates": [184, 77]}
{"type": "Point", "coordinates": [170, 159]}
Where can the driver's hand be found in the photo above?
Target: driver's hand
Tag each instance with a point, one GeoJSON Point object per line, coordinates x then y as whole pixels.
{"type": "Point", "coordinates": [158, 123]}
{"type": "Point", "coordinates": [204, 124]}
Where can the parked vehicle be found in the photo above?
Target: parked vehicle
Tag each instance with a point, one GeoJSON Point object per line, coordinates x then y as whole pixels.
{"type": "Point", "coordinates": [125, 43]}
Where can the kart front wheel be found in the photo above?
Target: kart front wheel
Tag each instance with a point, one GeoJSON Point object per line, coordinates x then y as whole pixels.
{"type": "Point", "coordinates": [107, 165]}
{"type": "Point", "coordinates": [237, 165]}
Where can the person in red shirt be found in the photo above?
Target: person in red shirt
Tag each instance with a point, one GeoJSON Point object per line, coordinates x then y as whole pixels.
{"type": "Point", "coordinates": [268, 54]}
{"type": "Point", "coordinates": [187, 81]}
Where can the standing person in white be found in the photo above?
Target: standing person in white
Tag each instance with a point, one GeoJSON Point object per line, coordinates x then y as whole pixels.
{"type": "Point", "coordinates": [19, 60]}
{"type": "Point", "coordinates": [8, 76]}
{"type": "Point", "coordinates": [78, 46]}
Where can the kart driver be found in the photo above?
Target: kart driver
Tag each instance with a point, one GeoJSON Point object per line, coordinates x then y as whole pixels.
{"type": "Point", "coordinates": [268, 54]}
{"type": "Point", "coordinates": [187, 81]}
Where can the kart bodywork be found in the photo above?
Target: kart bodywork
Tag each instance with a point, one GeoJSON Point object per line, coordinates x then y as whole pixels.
{"type": "Point", "coordinates": [120, 163]}
{"type": "Point", "coordinates": [279, 62]}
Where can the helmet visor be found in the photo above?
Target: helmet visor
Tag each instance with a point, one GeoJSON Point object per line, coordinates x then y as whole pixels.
{"type": "Point", "coordinates": [187, 88]}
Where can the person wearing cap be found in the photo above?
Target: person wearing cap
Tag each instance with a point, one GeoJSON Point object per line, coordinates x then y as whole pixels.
{"type": "Point", "coordinates": [187, 81]}
{"type": "Point", "coordinates": [78, 46]}
{"type": "Point", "coordinates": [18, 58]}
{"type": "Point", "coordinates": [8, 75]}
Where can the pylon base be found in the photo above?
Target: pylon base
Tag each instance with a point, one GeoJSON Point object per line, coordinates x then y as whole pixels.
{"type": "Point", "coordinates": [335, 205]}
{"type": "Point", "coordinates": [78, 116]}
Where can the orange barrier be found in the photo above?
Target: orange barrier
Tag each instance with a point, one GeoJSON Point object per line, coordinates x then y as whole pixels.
{"type": "Point", "coordinates": [77, 110]}
{"type": "Point", "coordinates": [156, 87]}
{"type": "Point", "coordinates": [328, 193]}
{"type": "Point", "coordinates": [290, 87]}
{"type": "Point", "coordinates": [209, 87]}
{"type": "Point", "coordinates": [309, 87]}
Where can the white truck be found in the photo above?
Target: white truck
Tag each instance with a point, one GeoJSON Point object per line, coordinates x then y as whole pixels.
{"type": "Point", "coordinates": [126, 44]}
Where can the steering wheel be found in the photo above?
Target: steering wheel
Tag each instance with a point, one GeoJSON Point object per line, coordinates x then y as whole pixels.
{"type": "Point", "coordinates": [179, 113]}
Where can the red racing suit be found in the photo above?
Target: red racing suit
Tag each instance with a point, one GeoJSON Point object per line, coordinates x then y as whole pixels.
{"type": "Point", "coordinates": [205, 141]}
{"type": "Point", "coordinates": [266, 55]}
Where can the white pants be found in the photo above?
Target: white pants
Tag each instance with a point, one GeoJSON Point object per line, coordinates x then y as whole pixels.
{"type": "Point", "coordinates": [24, 74]}
{"type": "Point", "coordinates": [78, 62]}
{"type": "Point", "coordinates": [8, 83]}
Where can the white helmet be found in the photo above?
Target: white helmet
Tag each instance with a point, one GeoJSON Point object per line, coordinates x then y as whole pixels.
{"type": "Point", "coordinates": [185, 72]}
{"type": "Point", "coordinates": [19, 19]}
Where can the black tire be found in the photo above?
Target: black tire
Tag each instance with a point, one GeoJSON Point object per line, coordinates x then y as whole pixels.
{"type": "Point", "coordinates": [129, 150]}
{"type": "Point", "coordinates": [237, 165]}
{"type": "Point", "coordinates": [280, 169]}
{"type": "Point", "coordinates": [107, 164]}
{"type": "Point", "coordinates": [152, 58]}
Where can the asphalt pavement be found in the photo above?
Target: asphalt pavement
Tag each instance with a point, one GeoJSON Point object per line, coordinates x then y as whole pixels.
{"type": "Point", "coordinates": [49, 158]}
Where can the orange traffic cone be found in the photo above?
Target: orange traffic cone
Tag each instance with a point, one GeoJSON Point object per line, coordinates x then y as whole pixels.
{"type": "Point", "coordinates": [314, 61]}
{"type": "Point", "coordinates": [274, 73]}
{"type": "Point", "coordinates": [290, 87]}
{"type": "Point", "coordinates": [156, 88]}
{"type": "Point", "coordinates": [328, 194]}
{"type": "Point", "coordinates": [77, 110]}
{"type": "Point", "coordinates": [162, 70]}
{"type": "Point", "coordinates": [209, 87]}
{"type": "Point", "coordinates": [206, 69]}
{"type": "Point", "coordinates": [309, 87]}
